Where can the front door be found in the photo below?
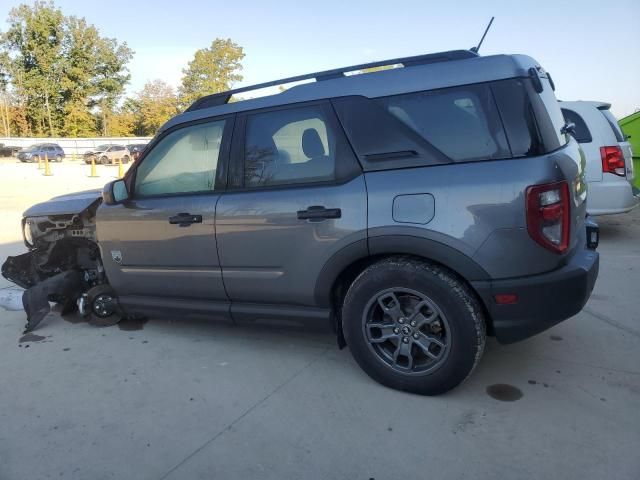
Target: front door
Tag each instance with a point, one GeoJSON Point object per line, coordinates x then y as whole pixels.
{"type": "Point", "coordinates": [161, 241]}
{"type": "Point", "coordinates": [296, 198]}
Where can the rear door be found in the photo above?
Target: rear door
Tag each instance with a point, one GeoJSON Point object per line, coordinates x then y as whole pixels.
{"type": "Point", "coordinates": [296, 198]}
{"type": "Point", "coordinates": [161, 241]}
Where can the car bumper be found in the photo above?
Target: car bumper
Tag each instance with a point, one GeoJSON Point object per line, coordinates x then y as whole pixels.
{"type": "Point", "coordinates": [611, 196]}
{"type": "Point", "coordinates": [542, 300]}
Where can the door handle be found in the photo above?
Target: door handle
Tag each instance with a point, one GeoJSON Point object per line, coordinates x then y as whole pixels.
{"type": "Point", "coordinates": [185, 219]}
{"type": "Point", "coordinates": [318, 212]}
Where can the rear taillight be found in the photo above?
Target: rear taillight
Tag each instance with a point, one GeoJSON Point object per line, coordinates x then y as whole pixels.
{"type": "Point", "coordinates": [612, 160]}
{"type": "Point", "coordinates": [548, 215]}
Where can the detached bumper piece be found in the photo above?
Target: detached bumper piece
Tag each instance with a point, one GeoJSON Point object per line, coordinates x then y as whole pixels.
{"type": "Point", "coordinates": [63, 288]}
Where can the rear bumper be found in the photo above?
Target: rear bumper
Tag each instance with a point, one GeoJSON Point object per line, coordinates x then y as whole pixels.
{"type": "Point", "coordinates": [543, 300]}
{"type": "Point", "coordinates": [611, 196]}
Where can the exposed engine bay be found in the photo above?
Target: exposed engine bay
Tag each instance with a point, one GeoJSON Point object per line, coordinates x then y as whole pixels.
{"type": "Point", "coordinates": [63, 264]}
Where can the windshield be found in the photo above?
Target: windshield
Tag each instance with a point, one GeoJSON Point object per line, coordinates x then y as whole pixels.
{"type": "Point", "coordinates": [31, 148]}
{"type": "Point", "coordinates": [102, 147]}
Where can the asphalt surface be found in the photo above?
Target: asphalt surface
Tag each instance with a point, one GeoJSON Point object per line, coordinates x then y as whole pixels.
{"type": "Point", "coordinates": [183, 399]}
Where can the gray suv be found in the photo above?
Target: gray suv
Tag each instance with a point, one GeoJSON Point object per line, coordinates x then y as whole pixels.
{"type": "Point", "coordinates": [415, 210]}
{"type": "Point", "coordinates": [52, 151]}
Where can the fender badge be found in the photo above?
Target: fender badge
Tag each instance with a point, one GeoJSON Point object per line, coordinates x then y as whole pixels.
{"type": "Point", "coordinates": [116, 255]}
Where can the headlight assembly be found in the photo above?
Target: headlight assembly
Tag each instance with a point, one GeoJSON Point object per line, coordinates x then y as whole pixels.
{"type": "Point", "coordinates": [26, 231]}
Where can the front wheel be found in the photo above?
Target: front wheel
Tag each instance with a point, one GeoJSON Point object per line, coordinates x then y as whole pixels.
{"type": "Point", "coordinates": [102, 302]}
{"type": "Point", "coordinates": [104, 160]}
{"type": "Point", "coordinates": [413, 326]}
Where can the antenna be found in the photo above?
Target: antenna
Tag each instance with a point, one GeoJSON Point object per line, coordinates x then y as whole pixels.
{"type": "Point", "coordinates": [475, 49]}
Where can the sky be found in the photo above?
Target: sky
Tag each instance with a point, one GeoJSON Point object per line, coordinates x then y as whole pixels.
{"type": "Point", "coordinates": [591, 48]}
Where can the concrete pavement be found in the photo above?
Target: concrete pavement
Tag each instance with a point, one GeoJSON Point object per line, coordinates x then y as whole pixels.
{"type": "Point", "coordinates": [184, 399]}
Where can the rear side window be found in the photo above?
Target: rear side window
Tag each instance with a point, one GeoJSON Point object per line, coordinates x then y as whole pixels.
{"type": "Point", "coordinates": [613, 124]}
{"type": "Point", "coordinates": [289, 146]}
{"type": "Point", "coordinates": [582, 133]}
{"type": "Point", "coordinates": [463, 122]}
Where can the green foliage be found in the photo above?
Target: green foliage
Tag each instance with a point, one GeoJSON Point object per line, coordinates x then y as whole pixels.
{"type": "Point", "coordinates": [59, 67]}
{"type": "Point", "coordinates": [157, 103]}
{"type": "Point", "coordinates": [212, 70]}
{"type": "Point", "coordinates": [59, 76]}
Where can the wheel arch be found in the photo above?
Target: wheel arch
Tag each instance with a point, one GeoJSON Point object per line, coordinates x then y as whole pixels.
{"type": "Point", "coordinates": [345, 265]}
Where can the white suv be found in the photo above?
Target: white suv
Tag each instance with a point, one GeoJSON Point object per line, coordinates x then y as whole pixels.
{"type": "Point", "coordinates": [609, 169]}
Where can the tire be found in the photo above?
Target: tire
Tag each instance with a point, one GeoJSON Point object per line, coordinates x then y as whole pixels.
{"type": "Point", "coordinates": [125, 159]}
{"type": "Point", "coordinates": [59, 158]}
{"type": "Point", "coordinates": [104, 160]}
{"type": "Point", "coordinates": [35, 159]}
{"type": "Point", "coordinates": [97, 315]}
{"type": "Point", "coordinates": [427, 359]}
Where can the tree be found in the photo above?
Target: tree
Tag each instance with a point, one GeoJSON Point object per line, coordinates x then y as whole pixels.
{"type": "Point", "coordinates": [111, 76]}
{"type": "Point", "coordinates": [35, 40]}
{"type": "Point", "coordinates": [156, 103]}
{"type": "Point", "coordinates": [60, 69]}
{"type": "Point", "coordinates": [212, 70]}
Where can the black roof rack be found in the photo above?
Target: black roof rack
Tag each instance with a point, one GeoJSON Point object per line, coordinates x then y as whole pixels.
{"type": "Point", "coordinates": [223, 97]}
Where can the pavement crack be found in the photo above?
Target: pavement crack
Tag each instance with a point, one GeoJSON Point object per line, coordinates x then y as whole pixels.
{"type": "Point", "coordinates": [243, 415]}
{"type": "Point", "coordinates": [612, 322]}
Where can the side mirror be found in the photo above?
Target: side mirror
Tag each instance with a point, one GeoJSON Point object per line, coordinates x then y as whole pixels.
{"type": "Point", "coordinates": [114, 192]}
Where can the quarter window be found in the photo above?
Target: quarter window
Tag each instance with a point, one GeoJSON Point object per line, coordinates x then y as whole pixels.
{"type": "Point", "coordinates": [289, 146]}
{"type": "Point", "coordinates": [463, 123]}
{"type": "Point", "coordinates": [581, 133]}
{"type": "Point", "coordinates": [184, 161]}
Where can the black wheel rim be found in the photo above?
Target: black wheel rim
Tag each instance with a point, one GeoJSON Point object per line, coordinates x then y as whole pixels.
{"type": "Point", "coordinates": [407, 331]}
{"type": "Point", "coordinates": [103, 306]}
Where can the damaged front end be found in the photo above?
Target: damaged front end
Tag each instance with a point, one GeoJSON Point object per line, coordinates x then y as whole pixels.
{"type": "Point", "coordinates": [63, 260]}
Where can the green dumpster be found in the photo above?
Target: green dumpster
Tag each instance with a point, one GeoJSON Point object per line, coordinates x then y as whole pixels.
{"type": "Point", "coordinates": [630, 126]}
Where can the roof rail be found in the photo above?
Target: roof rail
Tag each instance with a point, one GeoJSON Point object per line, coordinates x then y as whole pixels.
{"type": "Point", "coordinates": [223, 97]}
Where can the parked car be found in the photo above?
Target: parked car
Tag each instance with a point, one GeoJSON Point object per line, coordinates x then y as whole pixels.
{"type": "Point", "coordinates": [52, 151]}
{"type": "Point", "coordinates": [136, 149]}
{"type": "Point", "coordinates": [415, 210]}
{"type": "Point", "coordinates": [8, 150]}
{"type": "Point", "coordinates": [108, 154]}
{"type": "Point", "coordinates": [609, 160]}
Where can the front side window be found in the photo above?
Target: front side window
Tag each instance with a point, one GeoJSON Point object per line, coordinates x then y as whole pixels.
{"type": "Point", "coordinates": [463, 122]}
{"type": "Point", "coordinates": [289, 146]}
{"type": "Point", "coordinates": [184, 161]}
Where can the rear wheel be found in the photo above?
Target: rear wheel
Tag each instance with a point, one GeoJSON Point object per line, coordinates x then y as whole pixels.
{"type": "Point", "coordinates": [59, 158]}
{"type": "Point", "coordinates": [413, 326]}
{"type": "Point", "coordinates": [104, 160]}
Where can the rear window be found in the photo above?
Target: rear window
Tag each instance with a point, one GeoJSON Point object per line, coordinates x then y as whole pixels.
{"type": "Point", "coordinates": [613, 123]}
{"type": "Point", "coordinates": [581, 133]}
{"type": "Point", "coordinates": [463, 122]}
